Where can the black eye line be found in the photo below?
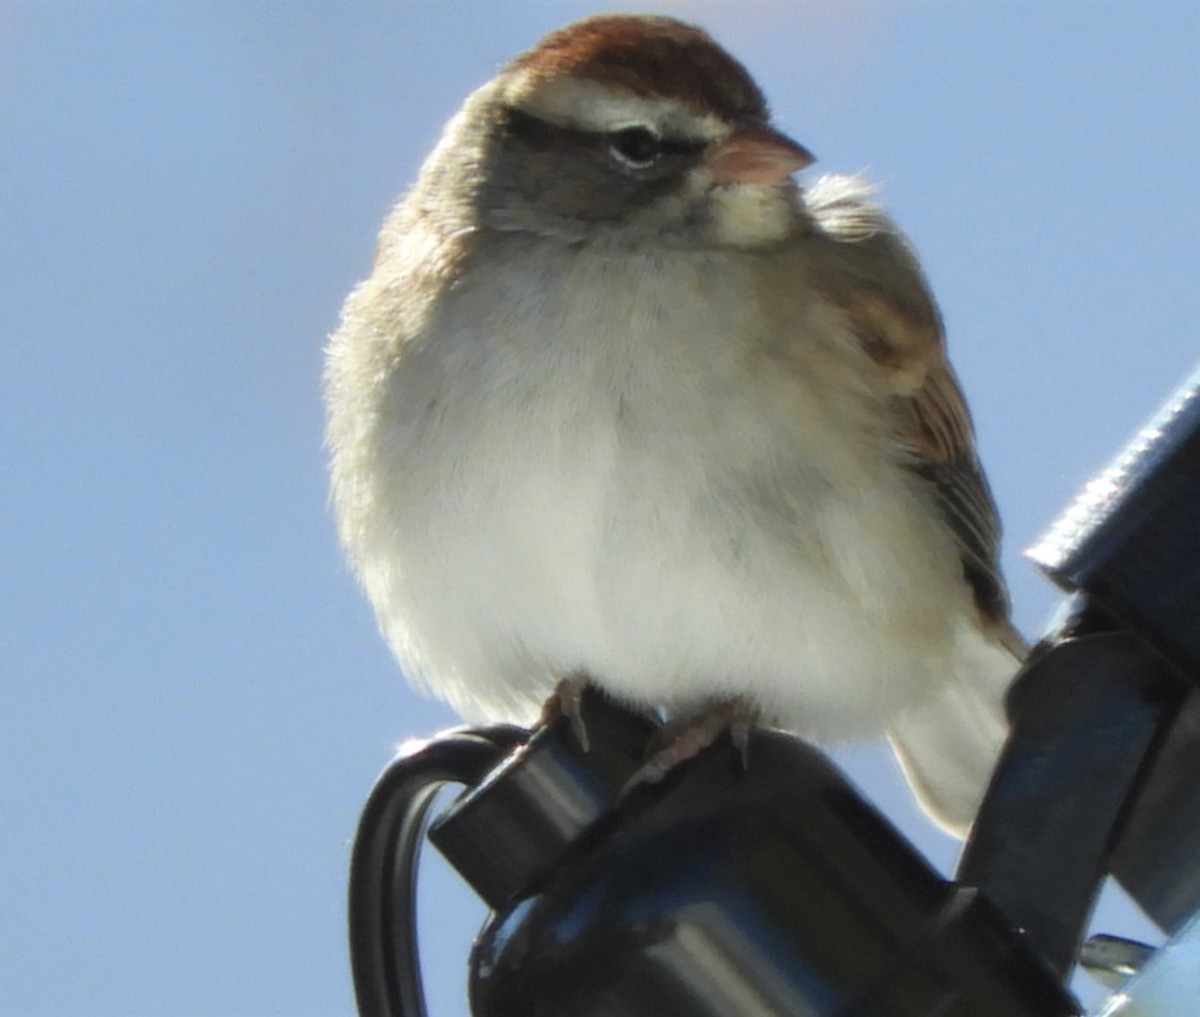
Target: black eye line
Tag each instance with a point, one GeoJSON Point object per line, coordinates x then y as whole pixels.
{"type": "Point", "coordinates": [680, 146]}
{"type": "Point", "coordinates": [541, 132]}
{"type": "Point", "coordinates": [533, 129]}
{"type": "Point", "coordinates": [666, 146]}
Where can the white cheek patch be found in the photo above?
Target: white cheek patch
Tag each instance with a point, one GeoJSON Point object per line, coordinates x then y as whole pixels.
{"type": "Point", "coordinates": [592, 106]}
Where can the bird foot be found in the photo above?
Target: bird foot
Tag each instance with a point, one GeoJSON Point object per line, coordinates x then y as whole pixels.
{"type": "Point", "coordinates": [686, 738]}
{"type": "Point", "coordinates": [567, 701]}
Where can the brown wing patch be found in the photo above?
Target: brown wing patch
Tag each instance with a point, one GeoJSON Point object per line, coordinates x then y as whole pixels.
{"type": "Point", "coordinates": [935, 427]}
{"type": "Point", "coordinates": [937, 419]}
{"type": "Point", "coordinates": [866, 267]}
{"type": "Point", "coordinates": [650, 56]}
{"type": "Point", "coordinates": [901, 346]}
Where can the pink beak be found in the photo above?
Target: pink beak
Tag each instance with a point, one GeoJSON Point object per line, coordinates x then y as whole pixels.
{"type": "Point", "coordinates": [757, 155]}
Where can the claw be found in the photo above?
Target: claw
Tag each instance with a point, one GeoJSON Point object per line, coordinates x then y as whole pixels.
{"type": "Point", "coordinates": [567, 701]}
{"type": "Point", "coordinates": [739, 734]}
{"type": "Point", "coordinates": [683, 740]}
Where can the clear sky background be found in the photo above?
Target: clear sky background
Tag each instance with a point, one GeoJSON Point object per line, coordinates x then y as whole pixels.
{"type": "Point", "coordinates": [194, 699]}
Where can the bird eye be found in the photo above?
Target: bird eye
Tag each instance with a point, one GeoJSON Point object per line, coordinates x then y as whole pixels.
{"type": "Point", "coordinates": [638, 147]}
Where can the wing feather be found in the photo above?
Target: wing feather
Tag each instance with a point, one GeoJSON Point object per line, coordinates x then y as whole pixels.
{"type": "Point", "coordinates": [868, 268]}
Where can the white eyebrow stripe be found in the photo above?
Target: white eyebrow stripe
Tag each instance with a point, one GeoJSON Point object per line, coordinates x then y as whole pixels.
{"type": "Point", "coordinates": [594, 107]}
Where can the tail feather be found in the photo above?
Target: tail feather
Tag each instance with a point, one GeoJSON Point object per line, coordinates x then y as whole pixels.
{"type": "Point", "coordinates": [948, 745]}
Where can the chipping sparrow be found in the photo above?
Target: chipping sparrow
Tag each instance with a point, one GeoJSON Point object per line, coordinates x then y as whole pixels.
{"type": "Point", "coordinates": [619, 399]}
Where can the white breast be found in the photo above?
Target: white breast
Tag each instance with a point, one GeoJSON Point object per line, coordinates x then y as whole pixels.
{"type": "Point", "coordinates": [607, 465]}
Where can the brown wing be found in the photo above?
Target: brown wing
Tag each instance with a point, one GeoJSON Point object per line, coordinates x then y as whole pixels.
{"type": "Point", "coordinates": [868, 268]}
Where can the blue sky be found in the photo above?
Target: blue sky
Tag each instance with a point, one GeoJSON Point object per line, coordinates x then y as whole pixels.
{"type": "Point", "coordinates": [195, 700]}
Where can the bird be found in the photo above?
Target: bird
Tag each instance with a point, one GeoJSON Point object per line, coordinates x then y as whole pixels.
{"type": "Point", "coordinates": [622, 404]}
